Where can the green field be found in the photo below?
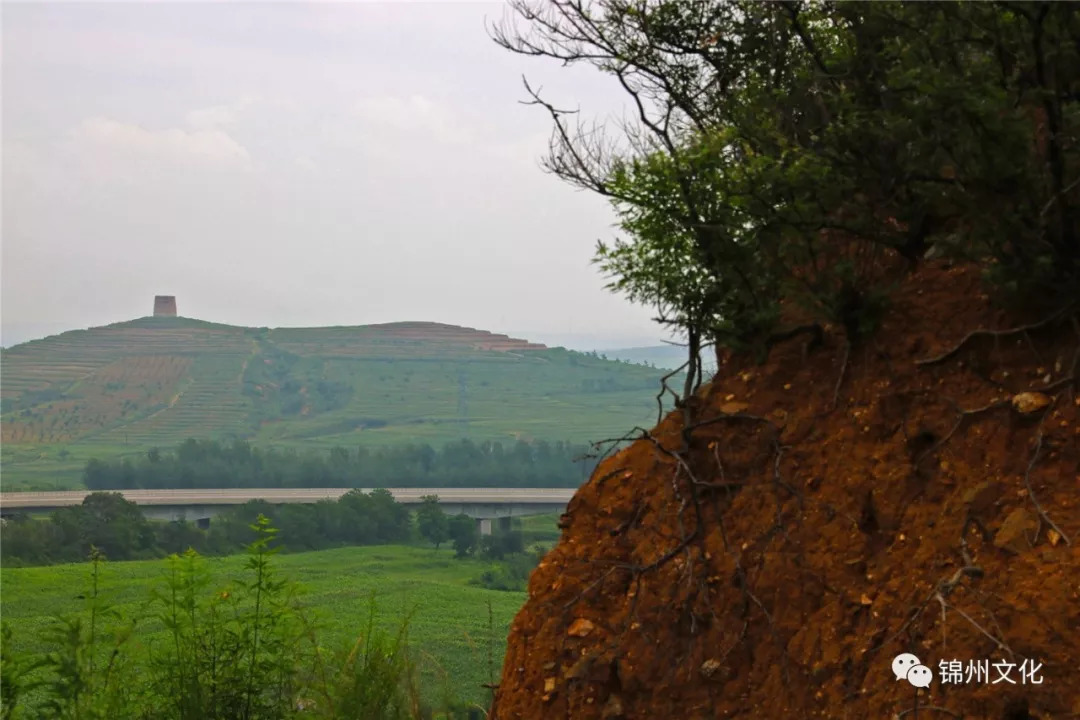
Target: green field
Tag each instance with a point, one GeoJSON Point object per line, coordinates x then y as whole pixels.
{"type": "Point", "coordinates": [154, 382]}
{"type": "Point", "coordinates": [449, 630]}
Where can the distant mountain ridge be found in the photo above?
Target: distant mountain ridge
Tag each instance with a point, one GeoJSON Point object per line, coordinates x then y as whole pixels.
{"type": "Point", "coordinates": [155, 381]}
{"type": "Point", "coordinates": [662, 356]}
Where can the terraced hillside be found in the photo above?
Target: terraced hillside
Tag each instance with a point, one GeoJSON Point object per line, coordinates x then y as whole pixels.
{"type": "Point", "coordinates": [153, 382]}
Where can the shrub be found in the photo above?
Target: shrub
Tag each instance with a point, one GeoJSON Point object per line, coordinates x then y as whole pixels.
{"type": "Point", "coordinates": [246, 651]}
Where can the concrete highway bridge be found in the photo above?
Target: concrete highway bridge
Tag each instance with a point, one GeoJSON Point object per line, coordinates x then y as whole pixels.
{"type": "Point", "coordinates": [485, 505]}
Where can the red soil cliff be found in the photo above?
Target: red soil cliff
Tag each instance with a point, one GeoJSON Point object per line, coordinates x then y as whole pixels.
{"type": "Point", "coordinates": [776, 568]}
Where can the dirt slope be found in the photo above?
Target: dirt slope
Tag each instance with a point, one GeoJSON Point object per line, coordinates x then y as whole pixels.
{"type": "Point", "coordinates": [816, 543]}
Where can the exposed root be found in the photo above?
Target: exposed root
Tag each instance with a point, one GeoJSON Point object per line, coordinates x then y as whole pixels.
{"type": "Point", "coordinates": [664, 390]}
{"type": "Point", "coordinates": [591, 587]}
{"type": "Point", "coordinates": [962, 416]}
{"type": "Point", "coordinates": [997, 334]}
{"type": "Point", "coordinates": [940, 591]}
{"type": "Point", "coordinates": [613, 444]}
{"type": "Point", "coordinates": [687, 486]}
{"type": "Point", "coordinates": [997, 641]}
{"type": "Point", "coordinates": [1031, 492]}
{"type": "Point", "coordinates": [932, 708]}
{"type": "Point", "coordinates": [840, 378]}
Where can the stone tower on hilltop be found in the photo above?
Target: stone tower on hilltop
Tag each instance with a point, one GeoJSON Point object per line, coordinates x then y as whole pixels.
{"type": "Point", "coordinates": [164, 306]}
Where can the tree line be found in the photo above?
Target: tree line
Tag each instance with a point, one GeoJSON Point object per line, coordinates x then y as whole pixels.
{"type": "Point", "coordinates": [116, 528]}
{"type": "Point", "coordinates": [238, 464]}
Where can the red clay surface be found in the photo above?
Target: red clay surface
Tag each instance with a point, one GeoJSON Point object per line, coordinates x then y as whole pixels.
{"type": "Point", "coordinates": [827, 537]}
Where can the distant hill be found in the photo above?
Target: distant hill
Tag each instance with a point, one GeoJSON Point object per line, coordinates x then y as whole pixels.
{"type": "Point", "coordinates": [153, 382]}
{"type": "Point", "coordinates": [666, 357]}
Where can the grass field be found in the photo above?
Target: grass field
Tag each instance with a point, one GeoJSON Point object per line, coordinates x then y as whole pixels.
{"type": "Point", "coordinates": [449, 630]}
{"type": "Point", "coordinates": [124, 388]}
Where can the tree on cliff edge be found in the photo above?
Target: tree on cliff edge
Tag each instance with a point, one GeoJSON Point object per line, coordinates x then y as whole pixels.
{"type": "Point", "coordinates": [815, 152]}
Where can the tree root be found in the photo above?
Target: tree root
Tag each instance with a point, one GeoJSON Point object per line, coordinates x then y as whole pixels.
{"type": "Point", "coordinates": [933, 708]}
{"type": "Point", "coordinates": [1052, 318]}
{"type": "Point", "coordinates": [592, 586]}
{"type": "Point", "coordinates": [940, 591]}
{"type": "Point", "coordinates": [997, 641]}
{"type": "Point", "coordinates": [1031, 493]}
{"type": "Point", "coordinates": [687, 487]}
{"type": "Point", "coordinates": [962, 415]}
{"type": "Point", "coordinates": [840, 379]}
{"type": "Point", "coordinates": [664, 390]}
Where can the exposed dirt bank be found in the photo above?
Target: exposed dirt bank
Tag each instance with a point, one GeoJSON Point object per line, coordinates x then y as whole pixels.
{"type": "Point", "coordinates": [817, 543]}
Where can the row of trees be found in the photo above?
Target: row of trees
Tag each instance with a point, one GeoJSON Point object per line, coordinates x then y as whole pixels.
{"type": "Point", "coordinates": [814, 152]}
{"type": "Point", "coordinates": [117, 528]}
{"type": "Point", "coordinates": [437, 527]}
{"type": "Point", "coordinates": [212, 464]}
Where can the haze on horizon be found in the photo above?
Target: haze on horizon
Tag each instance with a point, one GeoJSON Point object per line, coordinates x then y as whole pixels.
{"type": "Point", "coordinates": [293, 164]}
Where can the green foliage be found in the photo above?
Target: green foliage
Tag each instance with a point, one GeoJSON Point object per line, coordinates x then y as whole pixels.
{"type": "Point", "coordinates": [248, 651]}
{"type": "Point", "coordinates": [105, 523]}
{"type": "Point", "coordinates": [464, 534]}
{"type": "Point", "coordinates": [814, 153]}
{"type": "Point", "coordinates": [432, 522]}
{"type": "Point", "coordinates": [509, 572]}
{"type": "Point", "coordinates": [211, 464]}
{"type": "Point", "coordinates": [510, 563]}
{"type": "Point", "coordinates": [237, 654]}
{"type": "Point", "coordinates": [87, 675]}
{"type": "Point", "coordinates": [16, 676]}
{"type": "Point", "coordinates": [108, 521]}
{"type": "Point", "coordinates": [376, 680]}
{"type": "Point", "coordinates": [499, 544]}
{"type": "Point", "coordinates": [446, 625]}
{"type": "Point", "coordinates": [683, 233]}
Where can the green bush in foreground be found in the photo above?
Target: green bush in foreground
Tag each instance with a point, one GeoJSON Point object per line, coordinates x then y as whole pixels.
{"type": "Point", "coordinates": [243, 652]}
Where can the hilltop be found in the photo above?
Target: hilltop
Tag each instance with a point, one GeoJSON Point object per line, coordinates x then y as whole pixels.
{"type": "Point", "coordinates": [153, 382]}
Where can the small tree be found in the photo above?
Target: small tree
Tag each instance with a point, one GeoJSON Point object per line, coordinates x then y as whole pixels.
{"type": "Point", "coordinates": [464, 534]}
{"type": "Point", "coordinates": [500, 544]}
{"type": "Point", "coordinates": [433, 523]}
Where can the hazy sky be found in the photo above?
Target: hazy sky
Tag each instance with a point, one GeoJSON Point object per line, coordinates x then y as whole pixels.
{"type": "Point", "coordinates": [292, 164]}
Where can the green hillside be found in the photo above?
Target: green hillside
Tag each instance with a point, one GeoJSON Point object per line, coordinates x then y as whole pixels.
{"type": "Point", "coordinates": [153, 382]}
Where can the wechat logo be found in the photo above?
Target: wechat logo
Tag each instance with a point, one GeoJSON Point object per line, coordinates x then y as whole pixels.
{"type": "Point", "coordinates": [906, 666]}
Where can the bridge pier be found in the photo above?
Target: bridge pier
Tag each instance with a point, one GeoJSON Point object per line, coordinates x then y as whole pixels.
{"type": "Point", "coordinates": [503, 523]}
{"type": "Point", "coordinates": [198, 514]}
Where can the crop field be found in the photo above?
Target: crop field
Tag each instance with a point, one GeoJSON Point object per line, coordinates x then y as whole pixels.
{"type": "Point", "coordinates": [116, 393]}
{"type": "Point", "coordinates": [206, 405]}
{"type": "Point", "coordinates": [155, 382]}
{"type": "Point", "coordinates": [449, 630]}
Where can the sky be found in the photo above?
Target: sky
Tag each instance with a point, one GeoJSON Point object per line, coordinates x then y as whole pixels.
{"type": "Point", "coordinates": [294, 164]}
